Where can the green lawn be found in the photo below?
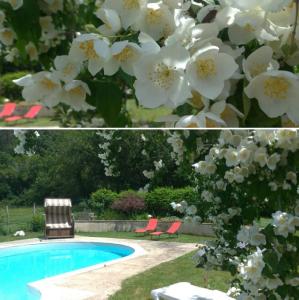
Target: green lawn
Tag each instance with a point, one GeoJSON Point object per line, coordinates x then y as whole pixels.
{"type": "Point", "coordinates": [183, 238]}
{"type": "Point", "coordinates": [19, 218]}
{"type": "Point", "coordinates": [142, 116]}
{"type": "Point", "coordinates": [181, 269]}
{"type": "Point", "coordinates": [39, 122]}
{"type": "Point", "coordinates": [29, 235]}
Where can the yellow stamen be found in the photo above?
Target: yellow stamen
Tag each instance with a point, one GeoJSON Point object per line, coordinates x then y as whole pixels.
{"type": "Point", "coordinates": [131, 4]}
{"type": "Point", "coordinates": [48, 84]}
{"type": "Point", "coordinates": [88, 48]}
{"type": "Point", "coordinates": [249, 28]}
{"type": "Point", "coordinates": [126, 54]}
{"type": "Point", "coordinates": [162, 76]}
{"type": "Point", "coordinates": [197, 100]}
{"type": "Point", "coordinates": [192, 125]}
{"type": "Point", "coordinates": [211, 124]}
{"type": "Point", "coordinates": [78, 91]}
{"type": "Point", "coordinates": [206, 68]}
{"type": "Point", "coordinates": [153, 16]}
{"type": "Point", "coordinates": [276, 87]}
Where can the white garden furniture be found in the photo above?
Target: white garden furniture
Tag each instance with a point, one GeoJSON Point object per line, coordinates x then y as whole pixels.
{"type": "Point", "coordinates": [187, 291]}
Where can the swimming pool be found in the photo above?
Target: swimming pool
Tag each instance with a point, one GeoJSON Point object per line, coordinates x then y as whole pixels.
{"type": "Point", "coordinates": [20, 265]}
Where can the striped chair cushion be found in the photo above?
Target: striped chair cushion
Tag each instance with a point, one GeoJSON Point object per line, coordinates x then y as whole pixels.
{"type": "Point", "coordinates": [58, 217]}
{"type": "Point", "coordinates": [57, 202]}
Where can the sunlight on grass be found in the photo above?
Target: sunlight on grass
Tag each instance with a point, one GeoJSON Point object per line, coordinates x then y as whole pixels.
{"type": "Point", "coordinates": [39, 122]}
{"type": "Point", "coordinates": [143, 116]}
{"type": "Point", "coordinates": [181, 269]}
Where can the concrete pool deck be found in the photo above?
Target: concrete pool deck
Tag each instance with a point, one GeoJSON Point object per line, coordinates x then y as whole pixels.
{"type": "Point", "coordinates": [101, 282]}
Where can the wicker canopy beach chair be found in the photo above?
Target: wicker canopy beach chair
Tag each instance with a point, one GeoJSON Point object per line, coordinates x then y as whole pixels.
{"type": "Point", "coordinates": [59, 222]}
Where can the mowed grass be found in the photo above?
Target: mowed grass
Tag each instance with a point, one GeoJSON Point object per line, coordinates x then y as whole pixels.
{"type": "Point", "coordinates": [18, 218]}
{"type": "Point", "coordinates": [29, 235]}
{"type": "Point", "coordinates": [181, 269]}
{"type": "Point", "coordinates": [182, 238]}
{"type": "Point", "coordinates": [143, 116]}
{"type": "Point", "coordinates": [140, 117]}
{"type": "Point", "coordinates": [39, 122]}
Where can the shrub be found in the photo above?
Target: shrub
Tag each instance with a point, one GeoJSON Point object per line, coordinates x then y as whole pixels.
{"type": "Point", "coordinates": [158, 201]}
{"type": "Point", "coordinates": [37, 223]}
{"type": "Point", "coordinates": [110, 214]}
{"type": "Point", "coordinates": [101, 200]}
{"type": "Point", "coordinates": [8, 88]}
{"type": "Point", "coordinates": [129, 203]}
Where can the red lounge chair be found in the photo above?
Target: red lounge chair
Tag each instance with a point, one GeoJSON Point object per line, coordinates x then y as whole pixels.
{"type": "Point", "coordinates": [151, 226]}
{"type": "Point", "coordinates": [7, 110]}
{"type": "Point", "coordinates": [172, 230]}
{"type": "Point", "coordinates": [31, 114]}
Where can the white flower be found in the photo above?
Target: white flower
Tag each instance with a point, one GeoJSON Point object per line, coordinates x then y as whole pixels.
{"type": "Point", "coordinates": [254, 266]}
{"type": "Point", "coordinates": [293, 281]}
{"type": "Point", "coordinates": [272, 161]}
{"type": "Point", "coordinates": [124, 55]}
{"type": "Point", "coordinates": [251, 235]}
{"type": "Point", "coordinates": [161, 79]}
{"type": "Point", "coordinates": [7, 36]}
{"type": "Point", "coordinates": [231, 157]}
{"type": "Point", "coordinates": [260, 156]}
{"type": "Point", "coordinates": [284, 223]}
{"type": "Point", "coordinates": [277, 93]}
{"type": "Point", "coordinates": [191, 210]}
{"type": "Point", "coordinates": [273, 283]}
{"type": "Point", "coordinates": [156, 20]}
{"type": "Point", "coordinates": [258, 62]}
{"type": "Point", "coordinates": [42, 86]}
{"type": "Point", "coordinates": [128, 10]}
{"type": "Point", "coordinates": [89, 47]}
{"type": "Point", "coordinates": [273, 186]}
{"type": "Point", "coordinates": [2, 17]}
{"type": "Point", "coordinates": [208, 69]}
{"type": "Point", "coordinates": [67, 68]}
{"type": "Point", "coordinates": [244, 154]}
{"type": "Point", "coordinates": [111, 21]}
{"type": "Point", "coordinates": [173, 205]}
{"type": "Point", "coordinates": [32, 51]}
{"type": "Point", "coordinates": [292, 176]}
{"type": "Point", "coordinates": [75, 95]}
{"type": "Point", "coordinates": [16, 4]}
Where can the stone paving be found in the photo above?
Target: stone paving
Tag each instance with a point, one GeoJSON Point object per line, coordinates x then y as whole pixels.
{"type": "Point", "coordinates": [100, 283]}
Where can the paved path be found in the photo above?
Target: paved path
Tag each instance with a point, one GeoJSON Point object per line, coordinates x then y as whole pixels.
{"type": "Point", "coordinates": [106, 281]}
{"type": "Point", "coordinates": [100, 283]}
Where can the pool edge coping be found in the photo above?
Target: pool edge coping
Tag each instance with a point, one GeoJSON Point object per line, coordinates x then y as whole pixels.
{"type": "Point", "coordinates": [45, 286]}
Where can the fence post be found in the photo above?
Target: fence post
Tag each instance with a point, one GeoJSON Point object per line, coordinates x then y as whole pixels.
{"type": "Point", "coordinates": [34, 209]}
{"type": "Point", "coordinates": [7, 218]}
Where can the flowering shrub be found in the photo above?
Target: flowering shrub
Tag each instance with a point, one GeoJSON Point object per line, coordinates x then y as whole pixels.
{"type": "Point", "coordinates": [247, 175]}
{"type": "Point", "coordinates": [215, 62]}
{"type": "Point", "coordinates": [129, 203]}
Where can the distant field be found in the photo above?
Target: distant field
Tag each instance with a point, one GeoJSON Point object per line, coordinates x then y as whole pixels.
{"type": "Point", "coordinates": [18, 218]}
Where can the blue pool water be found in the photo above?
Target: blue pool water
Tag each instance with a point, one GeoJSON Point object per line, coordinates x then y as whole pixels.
{"type": "Point", "coordinates": [21, 265]}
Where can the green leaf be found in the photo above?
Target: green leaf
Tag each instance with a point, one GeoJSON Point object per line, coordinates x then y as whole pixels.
{"type": "Point", "coordinates": [107, 97]}
{"type": "Point", "coordinates": [25, 22]}
{"type": "Point", "coordinates": [271, 258]}
{"type": "Point", "coordinates": [257, 118]}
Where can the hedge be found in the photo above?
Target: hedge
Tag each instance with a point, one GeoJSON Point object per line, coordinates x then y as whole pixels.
{"type": "Point", "coordinates": [8, 89]}
{"type": "Point", "coordinates": [102, 200]}
{"type": "Point", "coordinates": [158, 201]}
